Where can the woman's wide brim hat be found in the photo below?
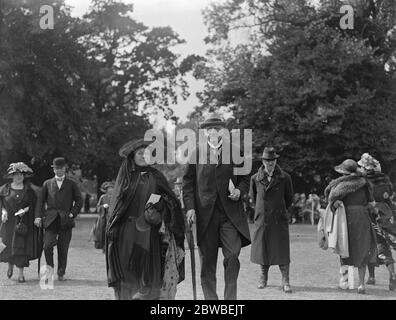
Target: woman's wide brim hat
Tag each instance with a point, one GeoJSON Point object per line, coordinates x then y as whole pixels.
{"type": "Point", "coordinates": [348, 166]}
{"type": "Point", "coordinates": [105, 185]}
{"type": "Point", "coordinates": [269, 153]}
{"type": "Point", "coordinates": [19, 167]}
{"type": "Point", "coordinates": [132, 146]}
{"type": "Point", "coordinates": [368, 162]}
{"type": "Point", "coordinates": [213, 120]}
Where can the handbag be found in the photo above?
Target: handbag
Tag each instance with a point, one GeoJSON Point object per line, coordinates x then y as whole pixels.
{"type": "Point", "coordinates": [21, 228]}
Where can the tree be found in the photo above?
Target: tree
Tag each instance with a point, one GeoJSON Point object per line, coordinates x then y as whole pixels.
{"type": "Point", "coordinates": [319, 93]}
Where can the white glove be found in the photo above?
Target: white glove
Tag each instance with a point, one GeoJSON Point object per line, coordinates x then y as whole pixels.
{"type": "Point", "coordinates": [4, 216]}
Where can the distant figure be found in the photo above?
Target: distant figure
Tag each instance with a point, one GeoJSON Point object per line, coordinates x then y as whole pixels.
{"type": "Point", "coordinates": [272, 191]}
{"type": "Point", "coordinates": [87, 203]}
{"type": "Point", "coordinates": [99, 228]}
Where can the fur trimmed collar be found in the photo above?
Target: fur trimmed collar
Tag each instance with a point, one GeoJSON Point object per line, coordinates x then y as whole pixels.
{"type": "Point", "coordinates": [343, 186]}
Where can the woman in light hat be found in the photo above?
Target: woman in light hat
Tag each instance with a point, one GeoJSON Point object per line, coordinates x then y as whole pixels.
{"type": "Point", "coordinates": [144, 242]}
{"type": "Point", "coordinates": [17, 230]}
{"type": "Point", "coordinates": [356, 194]}
{"type": "Point", "coordinates": [385, 227]}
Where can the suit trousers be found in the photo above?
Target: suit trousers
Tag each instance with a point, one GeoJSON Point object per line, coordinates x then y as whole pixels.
{"type": "Point", "coordinates": [55, 236]}
{"type": "Point", "coordinates": [220, 230]}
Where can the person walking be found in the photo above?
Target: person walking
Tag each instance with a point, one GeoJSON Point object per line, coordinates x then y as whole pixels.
{"type": "Point", "coordinates": [59, 204]}
{"type": "Point", "coordinates": [145, 231]}
{"type": "Point", "coordinates": [385, 227]}
{"type": "Point", "coordinates": [17, 230]}
{"type": "Point", "coordinates": [355, 193]}
{"type": "Point", "coordinates": [271, 190]}
{"type": "Point", "coordinates": [212, 196]}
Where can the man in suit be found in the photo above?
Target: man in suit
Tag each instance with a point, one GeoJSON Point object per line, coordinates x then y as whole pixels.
{"type": "Point", "coordinates": [271, 192]}
{"type": "Point", "coordinates": [220, 219]}
{"type": "Point", "coordinates": [59, 203]}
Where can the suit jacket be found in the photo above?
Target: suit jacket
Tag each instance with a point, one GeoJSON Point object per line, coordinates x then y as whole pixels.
{"type": "Point", "coordinates": [54, 201]}
{"type": "Point", "coordinates": [203, 183]}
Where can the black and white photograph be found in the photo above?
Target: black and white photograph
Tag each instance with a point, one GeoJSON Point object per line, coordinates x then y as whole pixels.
{"type": "Point", "coordinates": [197, 151]}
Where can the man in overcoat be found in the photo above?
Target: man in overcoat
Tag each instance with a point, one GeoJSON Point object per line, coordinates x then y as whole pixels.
{"type": "Point", "coordinates": [271, 191]}
{"type": "Point", "coordinates": [59, 204]}
{"type": "Point", "coordinates": [220, 219]}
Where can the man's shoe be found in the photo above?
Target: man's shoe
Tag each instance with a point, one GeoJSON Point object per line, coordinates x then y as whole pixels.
{"type": "Point", "coordinates": [21, 279]}
{"type": "Point", "coordinates": [286, 288]}
{"type": "Point", "coordinates": [61, 278]}
{"type": "Point", "coordinates": [262, 283]}
{"type": "Point", "coordinates": [371, 281]}
{"type": "Point", "coordinates": [361, 290]}
{"type": "Point", "coordinates": [392, 283]}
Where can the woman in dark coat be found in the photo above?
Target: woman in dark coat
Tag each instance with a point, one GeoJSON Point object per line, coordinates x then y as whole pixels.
{"type": "Point", "coordinates": [356, 193]}
{"type": "Point", "coordinates": [385, 227]}
{"type": "Point", "coordinates": [18, 233]}
{"type": "Point", "coordinates": [144, 244]}
{"type": "Point", "coordinates": [271, 191]}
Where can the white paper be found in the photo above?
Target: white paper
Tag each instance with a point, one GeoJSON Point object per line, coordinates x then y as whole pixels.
{"type": "Point", "coordinates": [2, 246]}
{"type": "Point", "coordinates": [154, 198]}
{"type": "Point", "coordinates": [231, 186]}
{"type": "Point", "coordinates": [21, 211]}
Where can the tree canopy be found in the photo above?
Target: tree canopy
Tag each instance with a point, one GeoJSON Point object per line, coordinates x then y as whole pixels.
{"type": "Point", "coordinates": [318, 93]}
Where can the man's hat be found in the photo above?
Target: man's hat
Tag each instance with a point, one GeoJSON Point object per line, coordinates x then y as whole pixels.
{"type": "Point", "coordinates": [348, 166]}
{"type": "Point", "coordinates": [213, 120]}
{"type": "Point", "coordinates": [132, 146]}
{"type": "Point", "coordinates": [269, 154]}
{"type": "Point", "coordinates": [19, 167]}
{"type": "Point", "coordinates": [105, 185]}
{"type": "Point", "coordinates": [59, 163]}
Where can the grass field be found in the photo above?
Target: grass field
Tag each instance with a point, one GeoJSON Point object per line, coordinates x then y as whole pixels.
{"type": "Point", "coordinates": [313, 274]}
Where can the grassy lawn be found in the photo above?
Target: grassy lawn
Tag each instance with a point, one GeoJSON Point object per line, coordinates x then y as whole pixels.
{"type": "Point", "coordinates": [314, 274]}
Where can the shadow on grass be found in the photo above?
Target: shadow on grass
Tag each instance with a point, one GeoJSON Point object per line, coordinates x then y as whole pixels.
{"type": "Point", "coordinates": [81, 282]}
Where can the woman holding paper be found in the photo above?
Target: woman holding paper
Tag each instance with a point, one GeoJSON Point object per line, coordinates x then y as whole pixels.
{"type": "Point", "coordinates": [17, 230]}
{"type": "Point", "coordinates": [356, 194]}
{"type": "Point", "coordinates": [145, 231]}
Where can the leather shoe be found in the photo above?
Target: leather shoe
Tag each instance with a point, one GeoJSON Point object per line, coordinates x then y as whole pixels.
{"type": "Point", "coordinates": [371, 281]}
{"type": "Point", "coordinates": [392, 283]}
{"type": "Point", "coordinates": [21, 279]}
{"type": "Point", "coordinates": [61, 278]}
{"type": "Point", "coordinates": [286, 288]}
{"type": "Point", "coordinates": [9, 273]}
{"type": "Point", "coordinates": [262, 283]}
{"type": "Point", "coordinates": [361, 290]}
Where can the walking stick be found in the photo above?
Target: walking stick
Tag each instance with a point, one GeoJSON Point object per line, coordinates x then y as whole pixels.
{"type": "Point", "coordinates": [41, 244]}
{"type": "Point", "coordinates": [191, 246]}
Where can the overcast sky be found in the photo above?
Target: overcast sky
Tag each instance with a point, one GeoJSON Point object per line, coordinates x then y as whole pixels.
{"type": "Point", "coordinates": [183, 16]}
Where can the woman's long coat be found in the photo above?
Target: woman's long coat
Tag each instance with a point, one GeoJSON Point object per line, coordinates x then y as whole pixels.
{"type": "Point", "coordinates": [270, 241]}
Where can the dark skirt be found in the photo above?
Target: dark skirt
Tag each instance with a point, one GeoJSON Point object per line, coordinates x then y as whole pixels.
{"type": "Point", "coordinates": [361, 237]}
{"type": "Point", "coordinates": [15, 256]}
